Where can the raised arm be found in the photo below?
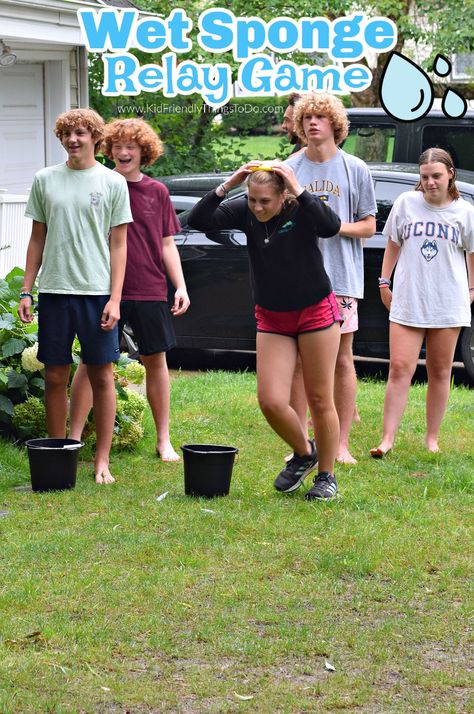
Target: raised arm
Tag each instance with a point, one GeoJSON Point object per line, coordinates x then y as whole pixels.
{"type": "Point", "coordinates": [325, 221]}
{"type": "Point", "coordinates": [208, 214]}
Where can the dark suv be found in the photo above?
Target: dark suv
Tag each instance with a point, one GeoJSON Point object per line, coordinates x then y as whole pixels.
{"type": "Point", "coordinates": [215, 265]}
{"type": "Point", "coordinates": [375, 136]}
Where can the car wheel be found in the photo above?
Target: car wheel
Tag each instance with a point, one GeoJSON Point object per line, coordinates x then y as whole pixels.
{"type": "Point", "coordinates": [467, 349]}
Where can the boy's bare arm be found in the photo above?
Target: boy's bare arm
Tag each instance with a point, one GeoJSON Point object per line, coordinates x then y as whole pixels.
{"type": "Point", "coordinates": [34, 258]}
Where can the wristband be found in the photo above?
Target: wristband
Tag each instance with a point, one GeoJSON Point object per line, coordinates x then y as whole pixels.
{"type": "Point", "coordinates": [222, 187]}
{"type": "Point", "coordinates": [384, 282]}
{"type": "Point", "coordinates": [27, 294]}
{"type": "Point", "coordinates": [383, 285]}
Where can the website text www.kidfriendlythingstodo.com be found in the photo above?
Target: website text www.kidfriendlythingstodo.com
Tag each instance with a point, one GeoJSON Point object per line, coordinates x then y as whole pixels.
{"type": "Point", "coordinates": [344, 40]}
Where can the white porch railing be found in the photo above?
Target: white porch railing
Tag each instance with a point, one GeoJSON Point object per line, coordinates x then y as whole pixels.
{"type": "Point", "coordinates": [15, 232]}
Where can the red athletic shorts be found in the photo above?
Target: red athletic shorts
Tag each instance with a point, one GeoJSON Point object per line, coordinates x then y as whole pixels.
{"type": "Point", "coordinates": [295, 322]}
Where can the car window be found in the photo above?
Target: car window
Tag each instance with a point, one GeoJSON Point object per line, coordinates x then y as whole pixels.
{"type": "Point", "coordinates": [385, 193]}
{"type": "Point", "coordinates": [371, 143]}
{"type": "Point", "coordinates": [458, 140]}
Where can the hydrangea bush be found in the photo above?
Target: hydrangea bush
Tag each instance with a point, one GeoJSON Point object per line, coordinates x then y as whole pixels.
{"type": "Point", "coordinates": [22, 413]}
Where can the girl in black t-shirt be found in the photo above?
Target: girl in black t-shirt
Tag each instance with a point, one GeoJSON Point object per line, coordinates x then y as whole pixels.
{"type": "Point", "coordinates": [295, 310]}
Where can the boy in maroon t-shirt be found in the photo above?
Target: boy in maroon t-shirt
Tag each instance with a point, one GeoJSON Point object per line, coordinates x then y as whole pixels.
{"type": "Point", "coordinates": [152, 256]}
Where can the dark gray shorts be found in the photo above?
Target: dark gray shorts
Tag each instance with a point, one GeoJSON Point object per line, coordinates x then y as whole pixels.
{"type": "Point", "coordinates": [151, 323]}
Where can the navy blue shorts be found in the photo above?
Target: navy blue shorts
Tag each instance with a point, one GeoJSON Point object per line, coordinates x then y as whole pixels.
{"type": "Point", "coordinates": [151, 323]}
{"type": "Point", "coordinates": [61, 317]}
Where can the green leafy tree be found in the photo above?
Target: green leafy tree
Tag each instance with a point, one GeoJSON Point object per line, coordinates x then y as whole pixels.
{"type": "Point", "coordinates": [186, 124]}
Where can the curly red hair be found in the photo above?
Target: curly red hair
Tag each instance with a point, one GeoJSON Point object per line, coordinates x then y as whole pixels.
{"type": "Point", "coordinates": [124, 130]}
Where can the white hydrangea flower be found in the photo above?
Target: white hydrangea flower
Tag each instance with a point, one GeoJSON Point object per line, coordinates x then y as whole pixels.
{"type": "Point", "coordinates": [29, 359]}
{"type": "Point", "coordinates": [135, 372]}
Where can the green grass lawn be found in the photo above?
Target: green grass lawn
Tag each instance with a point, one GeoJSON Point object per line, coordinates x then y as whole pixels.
{"type": "Point", "coordinates": [113, 601]}
{"type": "Point", "coordinates": [246, 148]}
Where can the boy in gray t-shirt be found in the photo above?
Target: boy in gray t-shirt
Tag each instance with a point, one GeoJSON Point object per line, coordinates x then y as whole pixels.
{"type": "Point", "coordinates": [80, 210]}
{"type": "Point", "coordinates": [344, 181]}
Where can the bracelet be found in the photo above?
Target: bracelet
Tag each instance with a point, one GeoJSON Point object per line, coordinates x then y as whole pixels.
{"type": "Point", "coordinates": [222, 187]}
{"type": "Point", "coordinates": [27, 294]}
{"type": "Point", "coordinates": [384, 282]}
{"type": "Point", "coordinates": [383, 285]}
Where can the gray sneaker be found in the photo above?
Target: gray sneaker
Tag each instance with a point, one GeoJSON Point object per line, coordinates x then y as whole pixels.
{"type": "Point", "coordinates": [292, 476]}
{"type": "Point", "coordinates": [324, 488]}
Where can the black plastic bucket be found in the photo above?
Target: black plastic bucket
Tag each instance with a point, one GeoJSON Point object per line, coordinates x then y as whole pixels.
{"type": "Point", "coordinates": [53, 463]}
{"type": "Point", "coordinates": [207, 469]}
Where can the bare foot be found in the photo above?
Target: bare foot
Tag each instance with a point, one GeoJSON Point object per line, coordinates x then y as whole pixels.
{"type": "Point", "coordinates": [432, 445]}
{"type": "Point", "coordinates": [345, 457]}
{"type": "Point", "coordinates": [103, 475]}
{"type": "Point", "coordinates": [167, 453]}
{"type": "Point", "coordinates": [380, 451]}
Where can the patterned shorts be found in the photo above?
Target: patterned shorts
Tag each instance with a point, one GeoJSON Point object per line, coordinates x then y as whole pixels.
{"type": "Point", "coordinates": [348, 310]}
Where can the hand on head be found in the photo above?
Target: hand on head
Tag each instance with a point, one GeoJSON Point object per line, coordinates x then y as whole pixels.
{"type": "Point", "coordinates": [287, 174]}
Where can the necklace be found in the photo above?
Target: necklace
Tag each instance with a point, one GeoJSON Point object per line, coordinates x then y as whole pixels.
{"type": "Point", "coordinates": [269, 237]}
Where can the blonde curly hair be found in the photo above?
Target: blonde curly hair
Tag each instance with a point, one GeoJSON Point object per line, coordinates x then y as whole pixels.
{"type": "Point", "coordinates": [87, 118]}
{"type": "Point", "coordinates": [124, 130]}
{"type": "Point", "coordinates": [327, 105]}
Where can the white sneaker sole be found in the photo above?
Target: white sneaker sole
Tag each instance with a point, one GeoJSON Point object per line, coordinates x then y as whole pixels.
{"type": "Point", "coordinates": [300, 481]}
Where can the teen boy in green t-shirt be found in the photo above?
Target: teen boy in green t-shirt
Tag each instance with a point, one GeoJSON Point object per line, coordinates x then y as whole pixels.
{"type": "Point", "coordinates": [80, 210]}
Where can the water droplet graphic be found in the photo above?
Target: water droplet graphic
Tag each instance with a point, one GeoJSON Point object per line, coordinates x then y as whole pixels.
{"type": "Point", "coordinates": [441, 66]}
{"type": "Point", "coordinates": [453, 104]}
{"type": "Point", "coordinates": [406, 92]}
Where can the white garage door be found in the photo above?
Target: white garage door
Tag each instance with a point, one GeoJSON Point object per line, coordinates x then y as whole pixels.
{"type": "Point", "coordinates": [22, 131]}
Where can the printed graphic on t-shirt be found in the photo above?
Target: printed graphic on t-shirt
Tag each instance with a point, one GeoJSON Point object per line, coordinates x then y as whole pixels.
{"type": "Point", "coordinates": [96, 198]}
{"type": "Point", "coordinates": [149, 208]}
{"type": "Point", "coordinates": [430, 229]}
{"type": "Point", "coordinates": [429, 250]}
{"type": "Point", "coordinates": [286, 227]}
{"type": "Point", "coordinates": [323, 185]}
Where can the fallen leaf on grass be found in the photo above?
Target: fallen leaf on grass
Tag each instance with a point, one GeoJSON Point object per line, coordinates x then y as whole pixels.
{"type": "Point", "coordinates": [207, 510]}
{"type": "Point", "coordinates": [330, 667]}
{"type": "Point", "coordinates": [418, 474]}
{"type": "Point", "coordinates": [106, 689]}
{"type": "Point", "coordinates": [243, 697]}
{"type": "Point", "coordinates": [34, 638]}
{"type": "Point", "coordinates": [116, 526]}
{"type": "Point", "coordinates": [163, 496]}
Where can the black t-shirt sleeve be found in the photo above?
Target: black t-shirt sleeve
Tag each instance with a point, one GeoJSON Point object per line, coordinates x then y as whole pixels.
{"type": "Point", "coordinates": [321, 217]}
{"type": "Point", "coordinates": [213, 213]}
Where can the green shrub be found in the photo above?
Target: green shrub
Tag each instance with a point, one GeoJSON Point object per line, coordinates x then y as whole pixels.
{"type": "Point", "coordinates": [29, 419]}
{"type": "Point", "coordinates": [253, 115]}
{"type": "Point", "coordinates": [22, 412]}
